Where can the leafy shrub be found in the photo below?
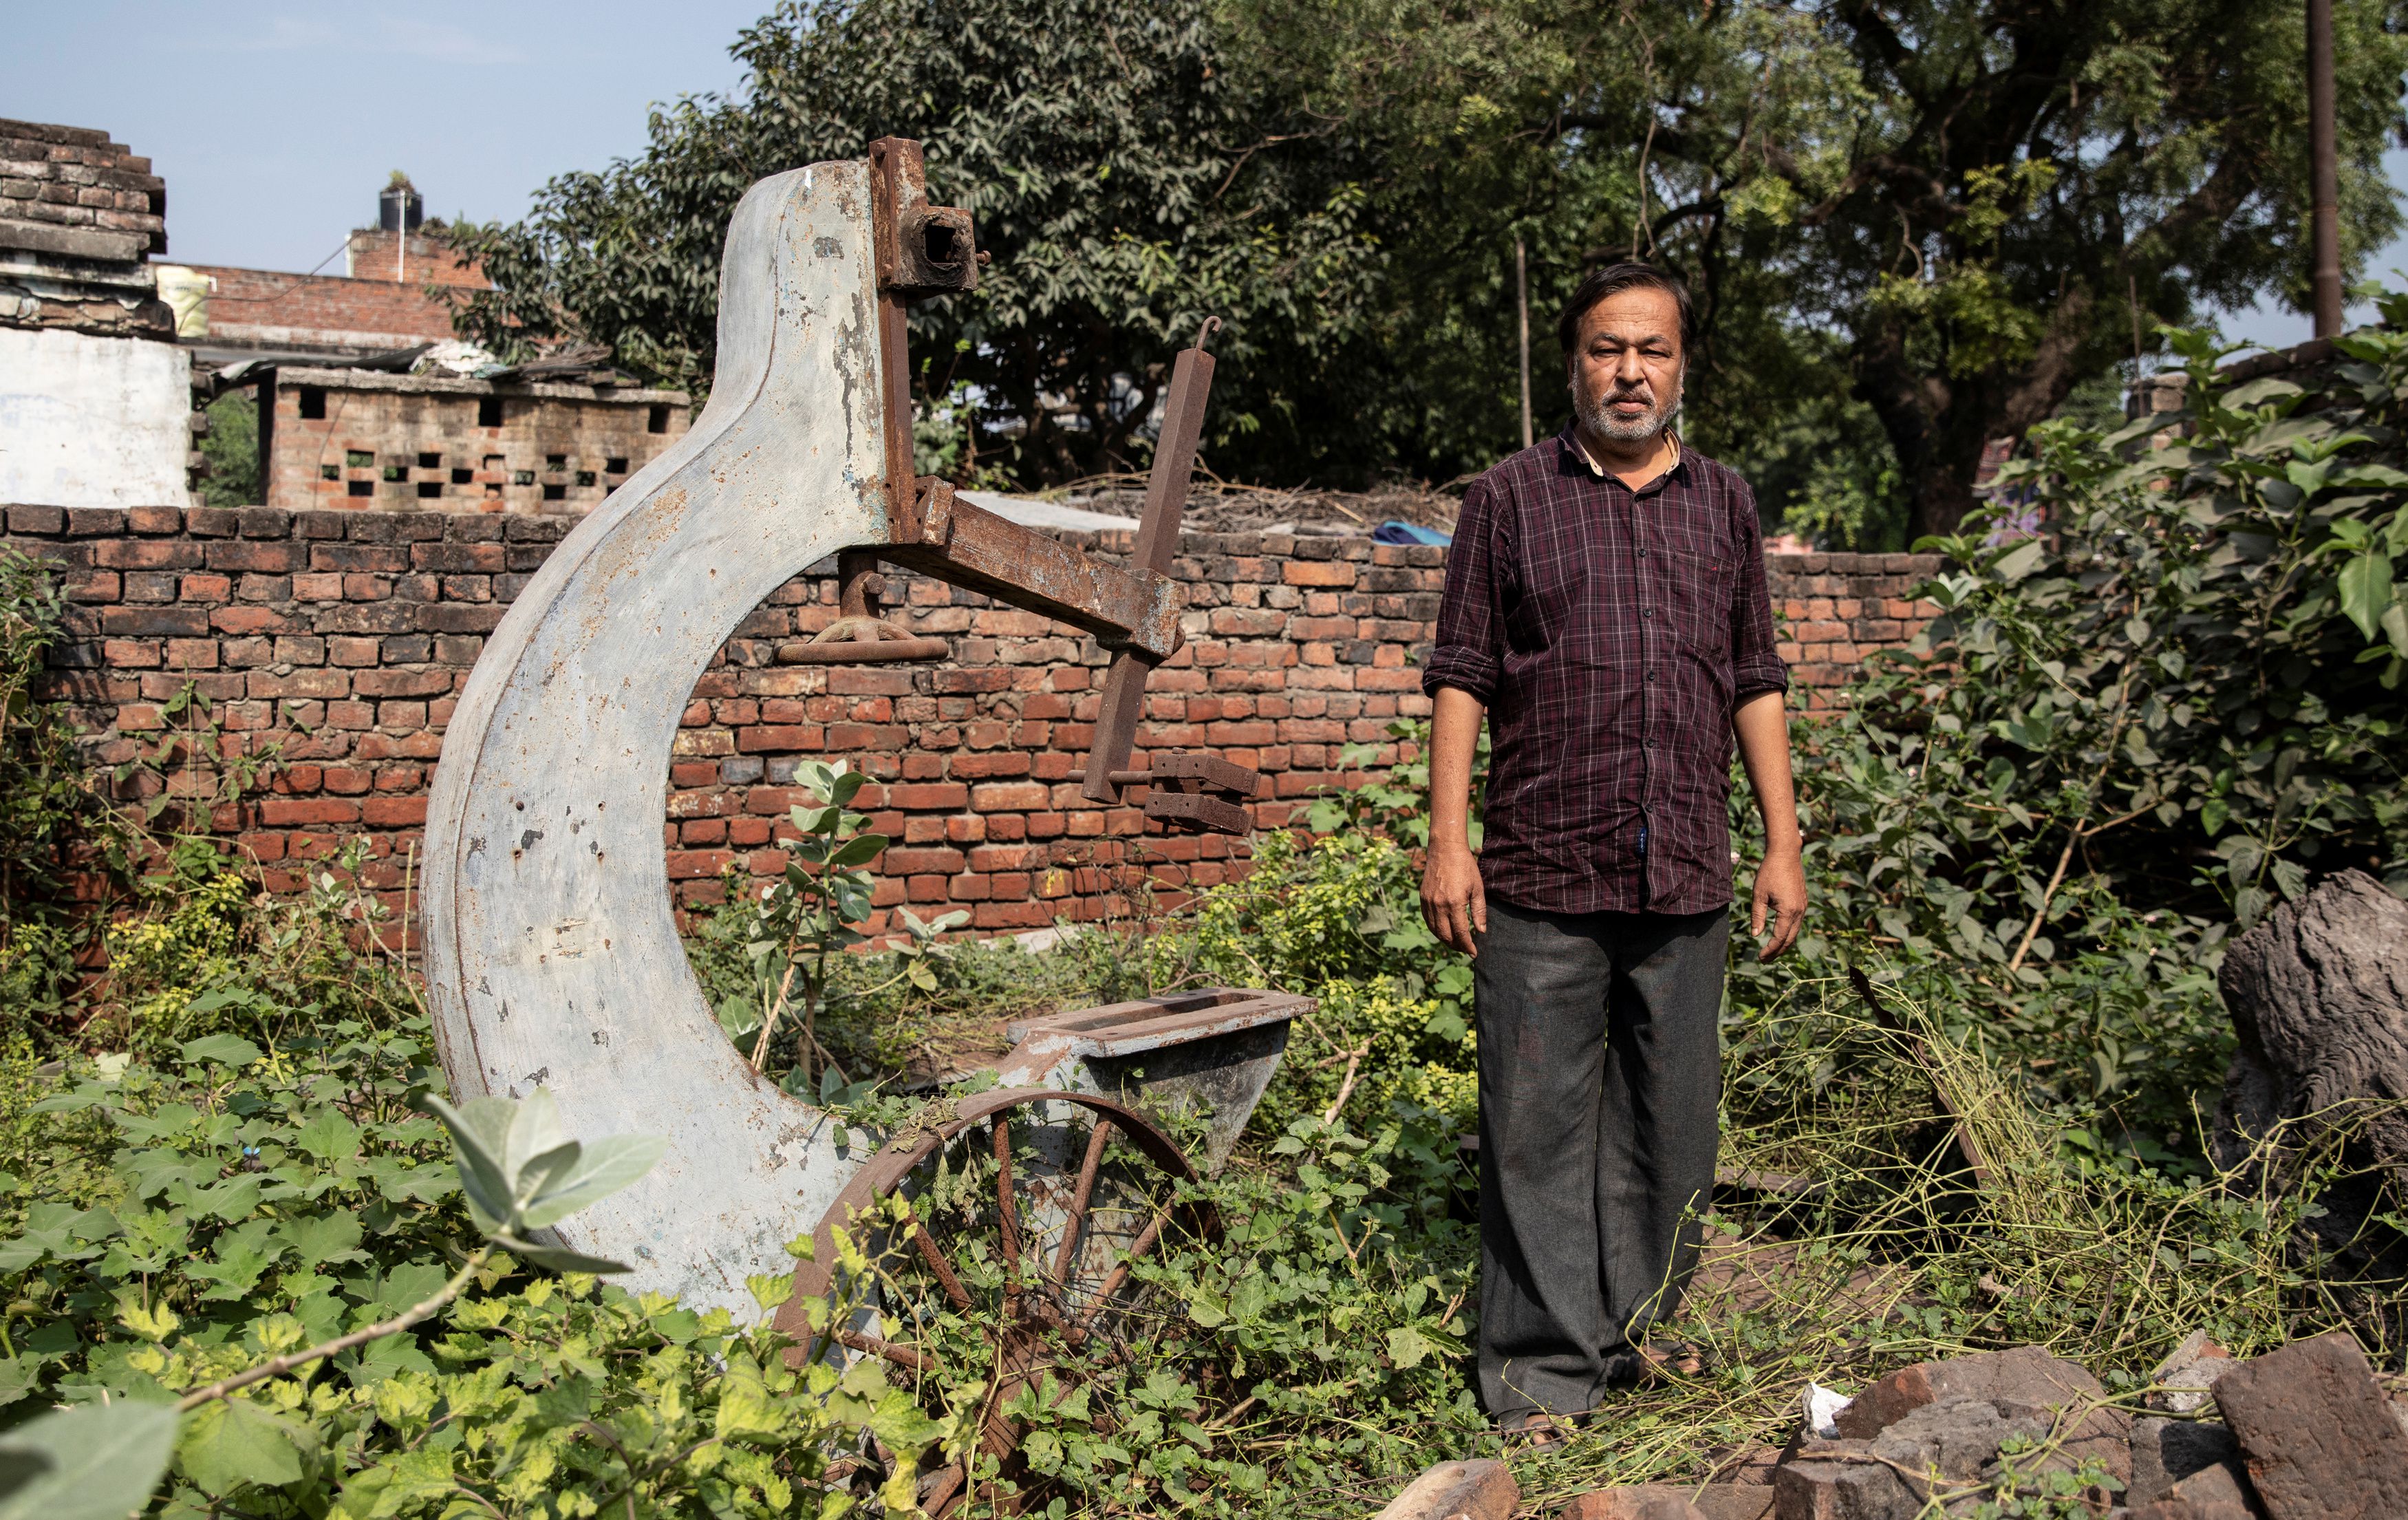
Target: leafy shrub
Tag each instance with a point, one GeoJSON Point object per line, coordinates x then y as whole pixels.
{"type": "Point", "coordinates": [50, 815]}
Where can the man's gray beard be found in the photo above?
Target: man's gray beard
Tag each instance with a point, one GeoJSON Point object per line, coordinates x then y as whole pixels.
{"type": "Point", "coordinates": [1599, 419]}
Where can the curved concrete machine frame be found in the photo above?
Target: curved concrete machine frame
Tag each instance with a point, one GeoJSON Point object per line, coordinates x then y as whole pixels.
{"type": "Point", "coordinates": [552, 956]}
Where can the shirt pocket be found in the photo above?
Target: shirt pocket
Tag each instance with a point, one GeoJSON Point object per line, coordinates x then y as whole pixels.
{"type": "Point", "coordinates": [1700, 599]}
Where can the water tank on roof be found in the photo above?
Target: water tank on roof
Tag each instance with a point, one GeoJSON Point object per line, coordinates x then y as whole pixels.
{"type": "Point", "coordinates": [398, 208]}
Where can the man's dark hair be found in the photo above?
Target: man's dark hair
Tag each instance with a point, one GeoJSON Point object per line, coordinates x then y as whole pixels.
{"type": "Point", "coordinates": [1612, 280]}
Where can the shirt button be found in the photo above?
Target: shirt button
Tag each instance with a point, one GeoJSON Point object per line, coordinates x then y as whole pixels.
{"type": "Point", "coordinates": [1642, 554]}
{"type": "Point", "coordinates": [1651, 675]}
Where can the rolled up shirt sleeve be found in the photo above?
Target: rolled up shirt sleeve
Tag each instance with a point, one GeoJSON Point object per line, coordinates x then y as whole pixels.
{"type": "Point", "coordinates": [1756, 656]}
{"type": "Point", "coordinates": [1467, 652]}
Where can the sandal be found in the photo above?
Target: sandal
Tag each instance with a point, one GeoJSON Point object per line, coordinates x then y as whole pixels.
{"type": "Point", "coordinates": [1540, 1431]}
{"type": "Point", "coordinates": [1652, 1364]}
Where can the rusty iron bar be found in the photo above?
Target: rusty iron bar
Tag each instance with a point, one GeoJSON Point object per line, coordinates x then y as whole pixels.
{"type": "Point", "coordinates": [1137, 1253]}
{"type": "Point", "coordinates": [1194, 812]}
{"type": "Point", "coordinates": [946, 1278]}
{"type": "Point", "coordinates": [918, 249]}
{"type": "Point", "coordinates": [1124, 606]}
{"type": "Point", "coordinates": [1097, 1139]}
{"type": "Point", "coordinates": [1157, 544]}
{"type": "Point", "coordinates": [879, 1346]}
{"type": "Point", "coordinates": [1211, 772]}
{"type": "Point", "coordinates": [1006, 1217]}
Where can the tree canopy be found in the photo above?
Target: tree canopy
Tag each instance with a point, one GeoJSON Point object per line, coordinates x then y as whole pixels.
{"type": "Point", "coordinates": [1911, 227]}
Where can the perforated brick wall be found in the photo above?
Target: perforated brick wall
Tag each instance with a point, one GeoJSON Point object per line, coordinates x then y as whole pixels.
{"type": "Point", "coordinates": [343, 637]}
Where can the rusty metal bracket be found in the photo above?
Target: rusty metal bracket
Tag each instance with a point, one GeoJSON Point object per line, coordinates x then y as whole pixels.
{"type": "Point", "coordinates": [922, 251]}
{"type": "Point", "coordinates": [1157, 544]}
{"type": "Point", "coordinates": [1191, 793]}
{"type": "Point", "coordinates": [860, 635]}
{"type": "Point", "coordinates": [1124, 606]}
{"type": "Point", "coordinates": [918, 250]}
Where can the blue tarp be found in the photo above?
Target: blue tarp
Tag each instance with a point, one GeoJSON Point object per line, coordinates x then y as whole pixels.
{"type": "Point", "coordinates": [1394, 532]}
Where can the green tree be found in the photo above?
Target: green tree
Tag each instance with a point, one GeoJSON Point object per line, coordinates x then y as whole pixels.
{"type": "Point", "coordinates": [1946, 211]}
{"type": "Point", "coordinates": [1125, 182]}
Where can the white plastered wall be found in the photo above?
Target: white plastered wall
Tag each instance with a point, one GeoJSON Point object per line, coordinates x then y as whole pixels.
{"type": "Point", "coordinates": [92, 421]}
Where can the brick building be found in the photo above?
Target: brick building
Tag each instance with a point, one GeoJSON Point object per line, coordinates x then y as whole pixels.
{"type": "Point", "coordinates": [362, 440]}
{"type": "Point", "coordinates": [390, 294]}
{"type": "Point", "coordinates": [95, 395]}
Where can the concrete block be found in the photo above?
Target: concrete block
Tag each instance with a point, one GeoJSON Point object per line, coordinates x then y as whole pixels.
{"type": "Point", "coordinates": [2168, 1453]}
{"type": "Point", "coordinates": [1476, 1490]}
{"type": "Point", "coordinates": [2317, 1432]}
{"type": "Point", "coordinates": [92, 421]}
{"type": "Point", "coordinates": [1841, 1480]}
{"type": "Point", "coordinates": [2025, 1375]}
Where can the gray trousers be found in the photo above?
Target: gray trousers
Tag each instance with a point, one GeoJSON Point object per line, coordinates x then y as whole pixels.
{"type": "Point", "coordinates": [1600, 1075]}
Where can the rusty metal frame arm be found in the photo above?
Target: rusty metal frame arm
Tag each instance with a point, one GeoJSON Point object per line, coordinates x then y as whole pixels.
{"type": "Point", "coordinates": [1126, 607]}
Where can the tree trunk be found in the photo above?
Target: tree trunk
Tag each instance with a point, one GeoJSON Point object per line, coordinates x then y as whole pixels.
{"type": "Point", "coordinates": [2318, 994]}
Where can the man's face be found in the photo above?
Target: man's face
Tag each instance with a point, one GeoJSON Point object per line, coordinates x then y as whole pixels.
{"type": "Point", "coordinates": [1625, 370]}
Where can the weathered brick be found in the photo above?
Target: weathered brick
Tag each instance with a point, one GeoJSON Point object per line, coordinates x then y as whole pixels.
{"type": "Point", "coordinates": [146, 554]}
{"type": "Point", "coordinates": [391, 682]}
{"type": "Point", "coordinates": [271, 557]}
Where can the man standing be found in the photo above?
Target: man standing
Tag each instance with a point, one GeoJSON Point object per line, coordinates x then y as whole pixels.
{"type": "Point", "coordinates": [1606, 612]}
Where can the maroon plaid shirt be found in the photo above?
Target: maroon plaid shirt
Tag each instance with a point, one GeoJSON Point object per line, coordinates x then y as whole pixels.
{"type": "Point", "coordinates": [1609, 634]}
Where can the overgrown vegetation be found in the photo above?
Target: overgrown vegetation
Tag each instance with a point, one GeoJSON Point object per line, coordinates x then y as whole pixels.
{"type": "Point", "coordinates": [1968, 1112]}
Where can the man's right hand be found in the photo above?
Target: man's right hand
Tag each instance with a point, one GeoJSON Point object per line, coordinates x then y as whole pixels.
{"type": "Point", "coordinates": [1453, 902]}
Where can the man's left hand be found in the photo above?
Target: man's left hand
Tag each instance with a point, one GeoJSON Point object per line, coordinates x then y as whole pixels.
{"type": "Point", "coordinates": [1780, 895]}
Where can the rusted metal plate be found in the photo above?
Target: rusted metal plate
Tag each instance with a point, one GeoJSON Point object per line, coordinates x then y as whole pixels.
{"type": "Point", "coordinates": [1210, 1052]}
{"type": "Point", "coordinates": [1199, 811]}
{"type": "Point", "coordinates": [1214, 774]}
{"type": "Point", "coordinates": [1151, 1022]}
{"type": "Point", "coordinates": [552, 957]}
{"type": "Point", "coordinates": [979, 550]}
{"type": "Point", "coordinates": [861, 651]}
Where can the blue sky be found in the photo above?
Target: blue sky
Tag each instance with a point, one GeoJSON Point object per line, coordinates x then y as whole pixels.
{"type": "Point", "coordinates": [275, 126]}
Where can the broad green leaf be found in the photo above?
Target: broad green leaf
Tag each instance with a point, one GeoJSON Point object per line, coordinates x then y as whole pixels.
{"type": "Point", "coordinates": [319, 1239]}
{"type": "Point", "coordinates": [858, 850]}
{"type": "Point", "coordinates": [2365, 584]}
{"type": "Point", "coordinates": [244, 1254]}
{"type": "Point", "coordinates": [225, 1050]}
{"type": "Point", "coordinates": [329, 1136]}
{"type": "Point", "coordinates": [1406, 1346]}
{"type": "Point", "coordinates": [2018, 562]}
{"type": "Point", "coordinates": [600, 1168]}
{"type": "Point", "coordinates": [480, 1131]}
{"type": "Point", "coordinates": [228, 1442]}
{"type": "Point", "coordinates": [95, 1462]}
{"type": "Point", "coordinates": [538, 1143]}
{"type": "Point", "coordinates": [559, 1259]}
{"type": "Point", "coordinates": [746, 1406]}
{"type": "Point", "coordinates": [2395, 623]}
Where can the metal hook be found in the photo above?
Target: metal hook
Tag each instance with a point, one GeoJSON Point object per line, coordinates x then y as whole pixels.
{"type": "Point", "coordinates": [1205, 334]}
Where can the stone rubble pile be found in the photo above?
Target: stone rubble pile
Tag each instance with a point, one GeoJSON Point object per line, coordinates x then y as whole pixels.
{"type": "Point", "coordinates": [2303, 1433]}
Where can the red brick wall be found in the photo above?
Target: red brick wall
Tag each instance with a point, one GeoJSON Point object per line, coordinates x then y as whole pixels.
{"type": "Point", "coordinates": [345, 637]}
{"type": "Point", "coordinates": [374, 253]}
{"type": "Point", "coordinates": [260, 306]}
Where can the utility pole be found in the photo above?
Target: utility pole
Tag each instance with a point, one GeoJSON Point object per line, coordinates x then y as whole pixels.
{"type": "Point", "coordinates": [1521, 305]}
{"type": "Point", "coordinates": [2324, 171]}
